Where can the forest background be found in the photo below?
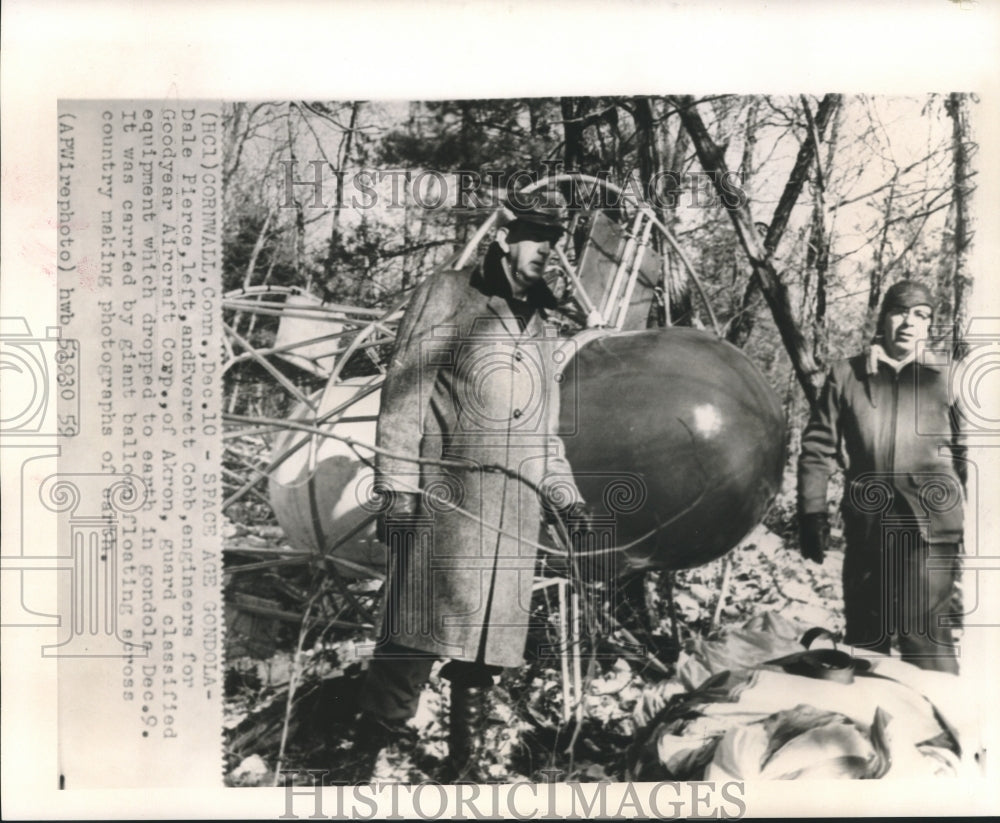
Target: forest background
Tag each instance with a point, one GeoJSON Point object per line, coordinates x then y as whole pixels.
{"type": "Point", "coordinates": [842, 195]}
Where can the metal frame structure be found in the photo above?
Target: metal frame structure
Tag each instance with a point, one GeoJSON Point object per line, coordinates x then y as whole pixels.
{"type": "Point", "coordinates": [355, 329]}
{"type": "Point", "coordinates": [323, 339]}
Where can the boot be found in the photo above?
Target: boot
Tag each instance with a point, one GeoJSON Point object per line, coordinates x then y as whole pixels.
{"type": "Point", "coordinates": [469, 713]}
{"type": "Point", "coordinates": [470, 687]}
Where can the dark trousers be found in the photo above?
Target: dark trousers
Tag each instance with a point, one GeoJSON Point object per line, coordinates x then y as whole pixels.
{"type": "Point", "coordinates": [896, 584]}
{"type": "Point", "coordinates": [396, 675]}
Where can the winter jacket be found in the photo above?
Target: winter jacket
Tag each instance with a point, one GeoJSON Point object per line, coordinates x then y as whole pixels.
{"type": "Point", "coordinates": [470, 381]}
{"type": "Point", "coordinates": [897, 436]}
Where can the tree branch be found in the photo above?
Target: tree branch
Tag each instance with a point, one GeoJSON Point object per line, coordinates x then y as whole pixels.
{"type": "Point", "coordinates": [739, 331]}
{"type": "Point", "coordinates": [775, 292]}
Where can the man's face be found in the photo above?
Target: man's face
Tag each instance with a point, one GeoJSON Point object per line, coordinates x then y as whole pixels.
{"type": "Point", "coordinates": [530, 246]}
{"type": "Point", "coordinates": [902, 328]}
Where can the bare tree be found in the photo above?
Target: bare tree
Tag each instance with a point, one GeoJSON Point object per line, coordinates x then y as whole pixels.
{"type": "Point", "coordinates": [742, 325]}
{"type": "Point", "coordinates": [957, 106]}
{"type": "Point", "coordinates": [759, 252]}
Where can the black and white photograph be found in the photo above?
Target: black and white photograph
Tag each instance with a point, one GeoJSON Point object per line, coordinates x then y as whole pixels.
{"type": "Point", "coordinates": [614, 404]}
{"type": "Point", "coordinates": [613, 445]}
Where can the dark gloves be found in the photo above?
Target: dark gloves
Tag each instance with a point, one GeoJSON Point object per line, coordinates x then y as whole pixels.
{"type": "Point", "coordinates": [401, 505]}
{"type": "Point", "coordinates": [814, 535]}
{"type": "Point", "coordinates": [574, 516]}
{"type": "Point", "coordinates": [578, 517]}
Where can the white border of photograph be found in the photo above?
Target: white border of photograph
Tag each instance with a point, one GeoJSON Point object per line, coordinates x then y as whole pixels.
{"type": "Point", "coordinates": [426, 50]}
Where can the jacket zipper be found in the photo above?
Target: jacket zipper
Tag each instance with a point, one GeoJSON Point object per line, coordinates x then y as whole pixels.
{"type": "Point", "coordinates": [892, 432]}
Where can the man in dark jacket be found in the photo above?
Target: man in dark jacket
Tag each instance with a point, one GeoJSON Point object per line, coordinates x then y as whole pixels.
{"type": "Point", "coordinates": [472, 392]}
{"type": "Point", "coordinates": [886, 418]}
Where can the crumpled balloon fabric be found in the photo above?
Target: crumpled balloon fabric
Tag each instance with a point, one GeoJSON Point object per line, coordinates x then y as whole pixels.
{"type": "Point", "coordinates": [729, 716]}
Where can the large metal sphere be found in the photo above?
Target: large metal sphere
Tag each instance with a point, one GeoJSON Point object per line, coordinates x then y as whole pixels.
{"type": "Point", "coordinates": [673, 434]}
{"type": "Point", "coordinates": [678, 436]}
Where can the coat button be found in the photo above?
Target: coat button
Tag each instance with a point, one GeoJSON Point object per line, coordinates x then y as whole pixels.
{"type": "Point", "coordinates": [516, 413]}
{"type": "Point", "coordinates": [518, 356]}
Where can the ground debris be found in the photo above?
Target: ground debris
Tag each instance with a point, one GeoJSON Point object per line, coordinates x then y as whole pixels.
{"type": "Point", "coordinates": [527, 737]}
{"type": "Point", "coordinates": [252, 771]}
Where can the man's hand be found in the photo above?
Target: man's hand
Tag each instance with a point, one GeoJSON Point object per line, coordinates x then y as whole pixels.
{"type": "Point", "coordinates": [558, 494]}
{"type": "Point", "coordinates": [579, 521]}
{"type": "Point", "coordinates": [578, 518]}
{"type": "Point", "coordinates": [401, 505]}
{"type": "Point", "coordinates": [814, 535]}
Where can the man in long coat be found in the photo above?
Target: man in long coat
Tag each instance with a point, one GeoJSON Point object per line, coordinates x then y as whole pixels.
{"type": "Point", "coordinates": [468, 428]}
{"type": "Point", "coordinates": [885, 417]}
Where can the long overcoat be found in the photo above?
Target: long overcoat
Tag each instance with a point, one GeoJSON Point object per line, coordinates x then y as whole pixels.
{"type": "Point", "coordinates": [472, 383]}
{"type": "Point", "coordinates": [898, 437]}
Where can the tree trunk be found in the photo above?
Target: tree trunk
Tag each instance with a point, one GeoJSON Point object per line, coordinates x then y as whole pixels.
{"type": "Point", "coordinates": [823, 251]}
{"type": "Point", "coordinates": [877, 276]}
{"type": "Point", "coordinates": [650, 169]}
{"type": "Point", "coordinates": [745, 311]}
{"type": "Point", "coordinates": [300, 218]}
{"type": "Point", "coordinates": [759, 253]}
{"type": "Point", "coordinates": [573, 131]}
{"type": "Point", "coordinates": [335, 243]}
{"type": "Point", "coordinates": [649, 156]}
{"type": "Point", "coordinates": [740, 330]}
{"type": "Point", "coordinates": [957, 106]}
{"type": "Point", "coordinates": [680, 307]}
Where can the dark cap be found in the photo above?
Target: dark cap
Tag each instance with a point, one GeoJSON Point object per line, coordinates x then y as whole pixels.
{"type": "Point", "coordinates": [903, 295]}
{"type": "Point", "coordinates": [544, 207]}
